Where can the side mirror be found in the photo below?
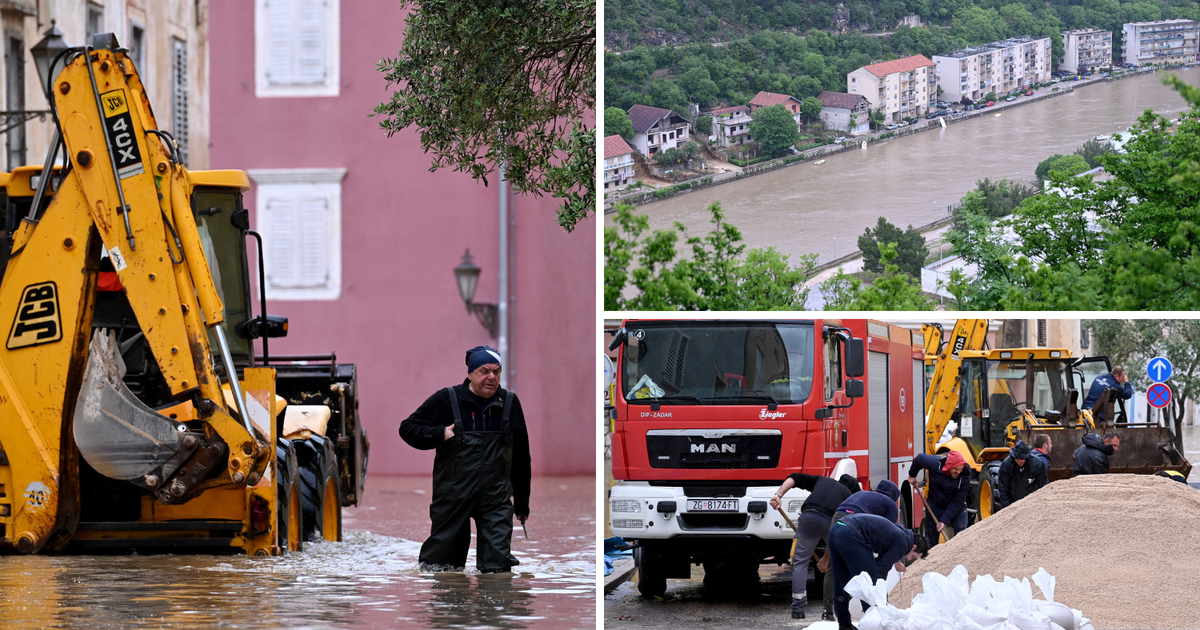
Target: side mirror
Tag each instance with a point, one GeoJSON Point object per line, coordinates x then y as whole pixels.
{"type": "Point", "coordinates": [855, 365]}
{"type": "Point", "coordinates": [253, 328]}
{"type": "Point", "coordinates": [241, 219]}
{"type": "Point", "coordinates": [618, 339]}
{"type": "Point", "coordinates": [854, 389]}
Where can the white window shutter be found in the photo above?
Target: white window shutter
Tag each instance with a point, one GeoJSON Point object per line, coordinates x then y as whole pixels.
{"type": "Point", "coordinates": [281, 53]}
{"type": "Point", "coordinates": [312, 64]}
{"type": "Point", "coordinates": [282, 246]}
{"type": "Point", "coordinates": [314, 242]}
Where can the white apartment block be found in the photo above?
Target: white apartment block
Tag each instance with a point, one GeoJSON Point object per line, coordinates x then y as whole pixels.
{"type": "Point", "coordinates": [618, 162]}
{"type": "Point", "coordinates": [1086, 48]}
{"type": "Point", "coordinates": [903, 88]}
{"type": "Point", "coordinates": [656, 129]}
{"type": "Point", "coordinates": [1165, 41]}
{"type": "Point", "coordinates": [998, 67]}
{"type": "Point", "coordinates": [731, 125]}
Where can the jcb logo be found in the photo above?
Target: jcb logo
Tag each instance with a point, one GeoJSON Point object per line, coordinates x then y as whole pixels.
{"type": "Point", "coordinates": [37, 319]}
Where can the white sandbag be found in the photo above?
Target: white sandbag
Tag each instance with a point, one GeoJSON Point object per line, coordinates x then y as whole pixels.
{"type": "Point", "coordinates": [1046, 582]}
{"type": "Point", "coordinates": [1058, 613]}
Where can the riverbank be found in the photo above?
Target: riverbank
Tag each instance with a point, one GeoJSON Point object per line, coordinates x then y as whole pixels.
{"type": "Point", "coordinates": [642, 198]}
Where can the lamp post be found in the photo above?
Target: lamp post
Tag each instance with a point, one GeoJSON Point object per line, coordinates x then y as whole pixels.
{"type": "Point", "coordinates": [45, 52]}
{"type": "Point", "coordinates": [467, 276]}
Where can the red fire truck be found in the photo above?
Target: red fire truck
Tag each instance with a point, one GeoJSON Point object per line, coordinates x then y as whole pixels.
{"type": "Point", "coordinates": [710, 416]}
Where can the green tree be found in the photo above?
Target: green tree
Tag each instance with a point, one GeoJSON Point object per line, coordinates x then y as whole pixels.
{"type": "Point", "coordinates": [643, 271]}
{"type": "Point", "coordinates": [911, 250]}
{"type": "Point", "coordinates": [704, 124]}
{"type": "Point", "coordinates": [490, 85]}
{"type": "Point", "coordinates": [1063, 165]}
{"type": "Point", "coordinates": [774, 129]}
{"type": "Point", "coordinates": [877, 117]}
{"type": "Point", "coordinates": [616, 122]}
{"type": "Point", "coordinates": [892, 291]}
{"type": "Point", "coordinates": [810, 109]}
{"type": "Point", "coordinates": [1092, 150]}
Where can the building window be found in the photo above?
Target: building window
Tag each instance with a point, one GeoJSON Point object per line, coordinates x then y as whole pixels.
{"type": "Point", "coordinates": [296, 47]}
{"type": "Point", "coordinates": [95, 20]}
{"type": "Point", "coordinates": [179, 97]}
{"type": "Point", "coordinates": [137, 49]}
{"type": "Point", "coordinates": [298, 212]}
{"type": "Point", "coordinates": [14, 100]}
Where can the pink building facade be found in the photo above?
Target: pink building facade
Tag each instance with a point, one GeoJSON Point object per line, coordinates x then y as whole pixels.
{"type": "Point", "coordinates": [362, 239]}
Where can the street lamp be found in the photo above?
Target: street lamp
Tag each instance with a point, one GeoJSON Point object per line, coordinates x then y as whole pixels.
{"type": "Point", "coordinates": [467, 276]}
{"type": "Point", "coordinates": [45, 52]}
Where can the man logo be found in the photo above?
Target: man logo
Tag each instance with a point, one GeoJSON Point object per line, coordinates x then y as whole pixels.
{"type": "Point", "coordinates": [714, 448]}
{"type": "Point", "coordinates": [37, 319]}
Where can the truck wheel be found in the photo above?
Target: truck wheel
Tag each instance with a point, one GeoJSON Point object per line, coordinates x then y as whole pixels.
{"type": "Point", "coordinates": [320, 494]}
{"type": "Point", "coordinates": [651, 581]}
{"type": "Point", "coordinates": [288, 498]}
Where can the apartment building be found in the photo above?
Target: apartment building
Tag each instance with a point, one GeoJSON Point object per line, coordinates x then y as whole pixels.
{"type": "Point", "coordinates": [1086, 48]}
{"type": "Point", "coordinates": [1165, 41]}
{"type": "Point", "coordinates": [998, 67]}
{"type": "Point", "coordinates": [618, 162]}
{"type": "Point", "coordinates": [656, 129]}
{"type": "Point", "coordinates": [903, 88]}
{"type": "Point", "coordinates": [731, 125]}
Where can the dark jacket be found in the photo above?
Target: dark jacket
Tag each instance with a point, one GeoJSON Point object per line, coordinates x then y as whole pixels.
{"type": "Point", "coordinates": [887, 540]}
{"type": "Point", "coordinates": [1017, 482]}
{"type": "Point", "coordinates": [945, 492]}
{"type": "Point", "coordinates": [1124, 391]}
{"type": "Point", "coordinates": [1092, 457]}
{"type": "Point", "coordinates": [426, 428]}
{"type": "Point", "coordinates": [825, 494]}
{"type": "Point", "coordinates": [1042, 456]}
{"type": "Point", "coordinates": [870, 503]}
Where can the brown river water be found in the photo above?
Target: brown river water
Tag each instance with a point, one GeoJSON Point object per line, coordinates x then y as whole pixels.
{"type": "Point", "coordinates": [912, 180]}
{"type": "Point", "coordinates": [369, 580]}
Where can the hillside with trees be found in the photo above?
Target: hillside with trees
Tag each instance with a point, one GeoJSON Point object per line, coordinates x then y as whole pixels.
{"type": "Point", "coordinates": [714, 52]}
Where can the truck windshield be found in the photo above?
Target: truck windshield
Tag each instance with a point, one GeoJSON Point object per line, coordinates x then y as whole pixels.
{"type": "Point", "coordinates": [225, 250]}
{"type": "Point", "coordinates": [718, 363]}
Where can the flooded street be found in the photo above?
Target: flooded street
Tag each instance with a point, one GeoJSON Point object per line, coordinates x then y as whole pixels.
{"type": "Point", "coordinates": [911, 180]}
{"type": "Point", "coordinates": [368, 581]}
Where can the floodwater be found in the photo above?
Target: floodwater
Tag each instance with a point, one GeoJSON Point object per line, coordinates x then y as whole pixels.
{"type": "Point", "coordinates": [367, 581]}
{"type": "Point", "coordinates": [912, 180]}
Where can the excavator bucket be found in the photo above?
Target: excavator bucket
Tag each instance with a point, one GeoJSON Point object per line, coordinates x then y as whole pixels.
{"type": "Point", "coordinates": [1145, 449]}
{"type": "Point", "coordinates": [116, 433]}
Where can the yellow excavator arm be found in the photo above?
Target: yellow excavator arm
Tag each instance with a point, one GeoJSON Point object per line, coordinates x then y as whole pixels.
{"type": "Point", "coordinates": [942, 397]}
{"type": "Point", "coordinates": [123, 194]}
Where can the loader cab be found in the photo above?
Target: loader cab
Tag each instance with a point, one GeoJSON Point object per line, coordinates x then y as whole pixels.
{"type": "Point", "coordinates": [999, 385]}
{"type": "Point", "coordinates": [216, 199]}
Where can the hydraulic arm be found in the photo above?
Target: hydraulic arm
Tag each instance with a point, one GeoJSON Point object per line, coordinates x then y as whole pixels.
{"type": "Point", "coordinates": [942, 397]}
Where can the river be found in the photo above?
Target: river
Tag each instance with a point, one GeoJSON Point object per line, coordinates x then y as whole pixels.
{"type": "Point", "coordinates": [367, 581]}
{"type": "Point", "coordinates": [913, 179]}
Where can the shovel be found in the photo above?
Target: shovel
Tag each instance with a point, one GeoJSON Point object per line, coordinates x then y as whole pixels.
{"type": "Point", "coordinates": [947, 531]}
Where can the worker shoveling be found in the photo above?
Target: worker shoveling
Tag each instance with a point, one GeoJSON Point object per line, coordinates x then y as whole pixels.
{"type": "Point", "coordinates": [1113, 544]}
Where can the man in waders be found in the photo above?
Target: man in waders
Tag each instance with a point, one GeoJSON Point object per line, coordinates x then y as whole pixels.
{"type": "Point", "coordinates": [482, 462]}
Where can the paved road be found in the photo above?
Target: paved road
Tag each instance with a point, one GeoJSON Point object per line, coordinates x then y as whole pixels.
{"type": "Point", "coordinates": [689, 604]}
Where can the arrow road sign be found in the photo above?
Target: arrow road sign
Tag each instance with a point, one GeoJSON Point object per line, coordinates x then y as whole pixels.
{"type": "Point", "coordinates": [1159, 369]}
{"type": "Point", "coordinates": [1159, 395]}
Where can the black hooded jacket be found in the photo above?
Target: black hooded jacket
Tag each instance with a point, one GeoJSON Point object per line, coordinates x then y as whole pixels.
{"type": "Point", "coordinates": [825, 494]}
{"type": "Point", "coordinates": [1092, 457]}
{"type": "Point", "coordinates": [1017, 482]}
{"type": "Point", "coordinates": [426, 429]}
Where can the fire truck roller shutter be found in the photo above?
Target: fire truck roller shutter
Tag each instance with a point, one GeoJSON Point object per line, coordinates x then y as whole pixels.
{"type": "Point", "coordinates": [880, 400]}
{"type": "Point", "coordinates": [918, 406]}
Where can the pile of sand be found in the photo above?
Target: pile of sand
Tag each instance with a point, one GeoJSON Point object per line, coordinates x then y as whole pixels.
{"type": "Point", "coordinates": [1122, 548]}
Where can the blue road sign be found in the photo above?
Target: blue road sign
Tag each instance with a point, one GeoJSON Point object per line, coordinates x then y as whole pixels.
{"type": "Point", "coordinates": [1159, 395]}
{"type": "Point", "coordinates": [1159, 369]}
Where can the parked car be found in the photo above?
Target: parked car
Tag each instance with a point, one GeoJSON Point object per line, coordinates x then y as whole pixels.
{"type": "Point", "coordinates": [892, 127]}
{"type": "Point", "coordinates": [840, 139]}
{"type": "Point", "coordinates": [1029, 93]}
{"type": "Point", "coordinates": [989, 103]}
{"type": "Point", "coordinates": [1010, 98]}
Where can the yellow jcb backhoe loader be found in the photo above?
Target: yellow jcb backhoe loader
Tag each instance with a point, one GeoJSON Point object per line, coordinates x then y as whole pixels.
{"type": "Point", "coordinates": [134, 414]}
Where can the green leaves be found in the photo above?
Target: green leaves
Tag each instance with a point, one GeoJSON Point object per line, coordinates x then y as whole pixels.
{"type": "Point", "coordinates": [774, 129]}
{"type": "Point", "coordinates": [489, 84]}
{"type": "Point", "coordinates": [644, 272]}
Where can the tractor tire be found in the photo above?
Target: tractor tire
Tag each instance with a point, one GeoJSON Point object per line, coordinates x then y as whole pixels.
{"type": "Point", "coordinates": [288, 498]}
{"type": "Point", "coordinates": [320, 491]}
{"type": "Point", "coordinates": [651, 579]}
{"type": "Point", "coordinates": [985, 505]}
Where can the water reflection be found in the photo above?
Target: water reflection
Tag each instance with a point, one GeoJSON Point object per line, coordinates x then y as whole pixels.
{"type": "Point", "coordinates": [369, 580]}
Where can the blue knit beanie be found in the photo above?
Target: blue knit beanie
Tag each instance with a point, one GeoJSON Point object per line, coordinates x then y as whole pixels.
{"type": "Point", "coordinates": [482, 355]}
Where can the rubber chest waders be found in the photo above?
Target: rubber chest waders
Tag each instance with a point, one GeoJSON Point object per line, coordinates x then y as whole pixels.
{"type": "Point", "coordinates": [471, 480]}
